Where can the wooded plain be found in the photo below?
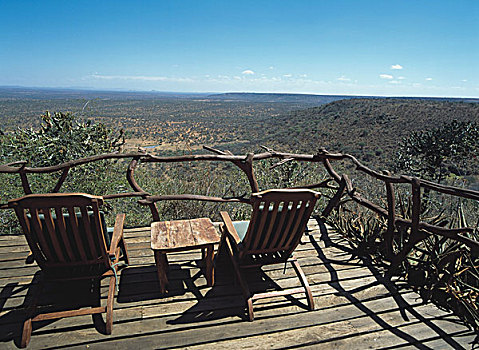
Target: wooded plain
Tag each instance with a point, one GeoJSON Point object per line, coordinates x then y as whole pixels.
{"type": "Point", "coordinates": [368, 128]}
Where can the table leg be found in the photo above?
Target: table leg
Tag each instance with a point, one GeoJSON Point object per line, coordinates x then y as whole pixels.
{"type": "Point", "coordinates": [162, 269]}
{"type": "Point", "coordinates": [210, 274]}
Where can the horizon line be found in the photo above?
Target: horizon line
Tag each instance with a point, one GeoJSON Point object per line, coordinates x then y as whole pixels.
{"type": "Point", "coordinates": [152, 91]}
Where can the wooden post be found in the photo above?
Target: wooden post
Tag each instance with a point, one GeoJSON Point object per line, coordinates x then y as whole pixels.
{"type": "Point", "coordinates": [25, 184]}
{"type": "Point", "coordinates": [246, 166]}
{"type": "Point", "coordinates": [61, 180]}
{"type": "Point", "coordinates": [330, 170]}
{"type": "Point", "coordinates": [131, 180]}
{"type": "Point", "coordinates": [248, 169]}
{"type": "Point", "coordinates": [415, 236]}
{"type": "Point", "coordinates": [416, 208]}
{"type": "Point", "coordinates": [389, 235]}
{"type": "Point", "coordinates": [333, 202]}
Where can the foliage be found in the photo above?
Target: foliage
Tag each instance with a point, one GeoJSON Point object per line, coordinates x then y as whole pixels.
{"type": "Point", "coordinates": [442, 270]}
{"type": "Point", "coordinates": [362, 230]}
{"type": "Point", "coordinates": [61, 137]}
{"type": "Point", "coordinates": [243, 123]}
{"type": "Point", "coordinates": [367, 128]}
{"type": "Point", "coordinates": [450, 148]}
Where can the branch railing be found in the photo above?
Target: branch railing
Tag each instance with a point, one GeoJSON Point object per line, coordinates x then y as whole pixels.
{"type": "Point", "coordinates": [419, 230]}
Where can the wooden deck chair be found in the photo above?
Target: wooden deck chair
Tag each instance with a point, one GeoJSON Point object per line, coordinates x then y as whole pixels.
{"type": "Point", "coordinates": [277, 223]}
{"type": "Point", "coordinates": [68, 237]}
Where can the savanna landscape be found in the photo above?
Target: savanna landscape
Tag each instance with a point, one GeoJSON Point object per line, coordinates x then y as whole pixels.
{"type": "Point", "coordinates": [380, 132]}
{"type": "Point", "coordinates": [138, 142]}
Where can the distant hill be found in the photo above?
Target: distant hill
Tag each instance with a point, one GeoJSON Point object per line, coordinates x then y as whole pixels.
{"type": "Point", "coordinates": [368, 128]}
{"type": "Point", "coordinates": [271, 97]}
{"type": "Point", "coordinates": [309, 99]}
{"type": "Point", "coordinates": [19, 92]}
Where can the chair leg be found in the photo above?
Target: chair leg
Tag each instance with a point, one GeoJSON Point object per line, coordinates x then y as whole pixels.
{"type": "Point", "coordinates": [209, 268]}
{"type": "Point", "coordinates": [26, 333]}
{"type": "Point", "coordinates": [249, 307]}
{"type": "Point", "coordinates": [304, 283]}
{"type": "Point", "coordinates": [246, 293]}
{"type": "Point", "coordinates": [244, 287]}
{"type": "Point", "coordinates": [109, 306]}
{"type": "Point", "coordinates": [27, 325]}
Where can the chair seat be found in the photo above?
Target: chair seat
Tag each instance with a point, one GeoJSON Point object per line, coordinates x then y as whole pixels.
{"type": "Point", "coordinates": [241, 228]}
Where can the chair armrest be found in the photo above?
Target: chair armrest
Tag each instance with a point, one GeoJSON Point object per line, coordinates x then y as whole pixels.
{"type": "Point", "coordinates": [228, 227]}
{"type": "Point", "coordinates": [117, 234]}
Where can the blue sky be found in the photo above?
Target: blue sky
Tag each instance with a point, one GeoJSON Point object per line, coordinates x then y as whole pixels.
{"type": "Point", "coordinates": [386, 47]}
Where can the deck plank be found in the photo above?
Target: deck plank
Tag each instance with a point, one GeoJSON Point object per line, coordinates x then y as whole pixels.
{"type": "Point", "coordinates": [354, 307]}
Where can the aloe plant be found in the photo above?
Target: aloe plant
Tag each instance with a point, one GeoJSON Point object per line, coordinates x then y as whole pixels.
{"type": "Point", "coordinates": [442, 270]}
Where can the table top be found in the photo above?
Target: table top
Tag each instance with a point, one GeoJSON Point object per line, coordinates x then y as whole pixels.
{"type": "Point", "coordinates": [181, 234]}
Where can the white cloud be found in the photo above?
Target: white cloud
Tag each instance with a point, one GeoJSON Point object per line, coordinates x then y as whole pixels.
{"type": "Point", "coordinates": [394, 82]}
{"type": "Point", "coordinates": [303, 76]}
{"type": "Point", "coordinates": [386, 76]}
{"type": "Point", "coordinates": [247, 72]}
{"type": "Point", "coordinates": [287, 75]}
{"type": "Point", "coordinates": [401, 78]}
{"type": "Point", "coordinates": [464, 80]}
{"type": "Point", "coordinates": [396, 66]}
{"type": "Point", "coordinates": [343, 78]}
{"type": "Point", "coordinates": [271, 67]}
{"type": "Point", "coordinates": [428, 79]}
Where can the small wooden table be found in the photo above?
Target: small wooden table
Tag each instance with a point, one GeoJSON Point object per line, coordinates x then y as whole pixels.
{"type": "Point", "coordinates": [181, 235]}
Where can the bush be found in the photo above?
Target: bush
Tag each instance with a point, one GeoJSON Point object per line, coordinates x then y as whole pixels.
{"type": "Point", "coordinates": [61, 137]}
{"type": "Point", "coordinates": [450, 149]}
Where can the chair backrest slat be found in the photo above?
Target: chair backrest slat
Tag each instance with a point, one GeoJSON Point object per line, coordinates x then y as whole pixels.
{"type": "Point", "coordinates": [263, 218]}
{"type": "Point", "coordinates": [61, 225]}
{"type": "Point", "coordinates": [89, 235]}
{"type": "Point", "coordinates": [100, 231]}
{"type": "Point", "coordinates": [39, 234]}
{"type": "Point", "coordinates": [72, 217]}
{"type": "Point", "coordinates": [50, 228]}
{"type": "Point", "coordinates": [63, 229]}
{"type": "Point", "coordinates": [280, 225]}
{"type": "Point", "coordinates": [269, 229]}
{"type": "Point", "coordinates": [297, 225]}
{"type": "Point", "coordinates": [31, 238]}
{"type": "Point", "coordinates": [246, 241]}
{"type": "Point", "coordinates": [278, 221]}
{"type": "Point", "coordinates": [286, 232]}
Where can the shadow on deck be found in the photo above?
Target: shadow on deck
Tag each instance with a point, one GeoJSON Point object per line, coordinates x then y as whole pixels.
{"type": "Point", "coordinates": [355, 307]}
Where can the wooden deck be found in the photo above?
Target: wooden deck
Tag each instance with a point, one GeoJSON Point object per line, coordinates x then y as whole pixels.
{"type": "Point", "coordinates": [355, 308]}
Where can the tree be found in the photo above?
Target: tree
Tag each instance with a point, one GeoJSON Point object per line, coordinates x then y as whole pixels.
{"type": "Point", "coordinates": [60, 138]}
{"type": "Point", "coordinates": [449, 149]}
